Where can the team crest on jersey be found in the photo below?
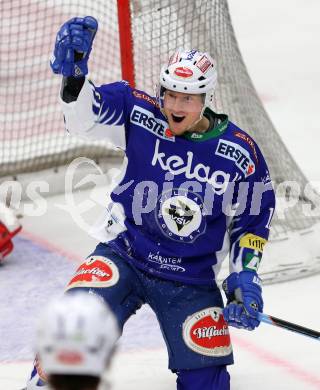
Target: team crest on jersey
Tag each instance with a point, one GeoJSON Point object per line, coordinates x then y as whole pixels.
{"type": "Point", "coordinates": [96, 271]}
{"type": "Point", "coordinates": [180, 215]}
{"type": "Point", "coordinates": [206, 332]}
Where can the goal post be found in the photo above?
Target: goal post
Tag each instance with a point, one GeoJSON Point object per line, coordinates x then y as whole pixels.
{"type": "Point", "coordinates": [134, 38]}
{"type": "Point", "coordinates": [126, 42]}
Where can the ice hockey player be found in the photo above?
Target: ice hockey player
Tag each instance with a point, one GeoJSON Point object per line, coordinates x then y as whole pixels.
{"type": "Point", "coordinates": [194, 189]}
{"type": "Point", "coordinates": [75, 341]}
{"type": "Point", "coordinates": [9, 227]}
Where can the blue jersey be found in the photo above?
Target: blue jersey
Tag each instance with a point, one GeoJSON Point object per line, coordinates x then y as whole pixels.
{"type": "Point", "coordinates": [182, 203]}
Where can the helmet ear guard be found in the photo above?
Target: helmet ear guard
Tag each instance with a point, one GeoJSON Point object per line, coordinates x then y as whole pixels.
{"type": "Point", "coordinates": [160, 91]}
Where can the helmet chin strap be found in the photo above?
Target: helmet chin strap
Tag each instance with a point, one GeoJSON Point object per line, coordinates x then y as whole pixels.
{"type": "Point", "coordinates": [198, 120]}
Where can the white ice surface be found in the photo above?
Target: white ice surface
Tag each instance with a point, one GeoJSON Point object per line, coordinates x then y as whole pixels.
{"type": "Point", "coordinates": [280, 44]}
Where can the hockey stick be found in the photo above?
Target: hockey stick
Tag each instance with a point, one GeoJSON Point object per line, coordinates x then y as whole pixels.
{"type": "Point", "coordinates": [289, 326]}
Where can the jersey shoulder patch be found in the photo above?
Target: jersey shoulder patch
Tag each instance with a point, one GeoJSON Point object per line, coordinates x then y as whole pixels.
{"type": "Point", "coordinates": [145, 97]}
{"type": "Point", "coordinates": [152, 120]}
{"type": "Point", "coordinates": [227, 148]}
{"type": "Point", "coordinates": [246, 140]}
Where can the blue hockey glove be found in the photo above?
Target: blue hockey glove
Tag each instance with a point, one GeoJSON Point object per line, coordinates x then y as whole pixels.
{"type": "Point", "coordinates": [73, 46]}
{"type": "Point", "coordinates": [244, 294]}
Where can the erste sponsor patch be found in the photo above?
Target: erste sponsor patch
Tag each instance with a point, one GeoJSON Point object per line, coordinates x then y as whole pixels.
{"type": "Point", "coordinates": [96, 271]}
{"type": "Point", "coordinates": [206, 332]}
{"type": "Point", "coordinates": [146, 119]}
{"type": "Point", "coordinates": [238, 154]}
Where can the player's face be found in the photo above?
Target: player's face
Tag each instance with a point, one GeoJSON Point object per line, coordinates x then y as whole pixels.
{"type": "Point", "coordinates": [182, 110]}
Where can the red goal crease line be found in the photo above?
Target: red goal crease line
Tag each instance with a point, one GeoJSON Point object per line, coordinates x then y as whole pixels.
{"type": "Point", "coordinates": [270, 358]}
{"type": "Point", "coordinates": [51, 247]}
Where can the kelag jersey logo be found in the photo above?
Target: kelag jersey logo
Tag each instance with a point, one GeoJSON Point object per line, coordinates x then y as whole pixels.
{"type": "Point", "coordinates": [144, 118]}
{"type": "Point", "coordinates": [238, 154]}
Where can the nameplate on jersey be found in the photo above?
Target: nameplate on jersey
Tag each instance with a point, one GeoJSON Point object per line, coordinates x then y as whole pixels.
{"type": "Point", "coordinates": [146, 119]}
{"type": "Point", "coordinates": [238, 154]}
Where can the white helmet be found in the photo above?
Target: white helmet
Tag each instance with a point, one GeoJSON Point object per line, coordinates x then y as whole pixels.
{"type": "Point", "coordinates": [76, 335]}
{"type": "Point", "coordinates": [191, 72]}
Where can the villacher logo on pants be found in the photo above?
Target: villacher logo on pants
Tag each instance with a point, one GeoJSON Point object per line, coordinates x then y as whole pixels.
{"type": "Point", "coordinates": [206, 332]}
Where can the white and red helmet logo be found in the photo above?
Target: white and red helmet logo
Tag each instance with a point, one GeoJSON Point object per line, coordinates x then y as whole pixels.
{"type": "Point", "coordinates": [206, 332]}
{"type": "Point", "coordinates": [183, 71]}
{"type": "Point", "coordinates": [96, 271]}
{"type": "Point", "coordinates": [203, 64]}
{"type": "Point", "coordinates": [70, 358]}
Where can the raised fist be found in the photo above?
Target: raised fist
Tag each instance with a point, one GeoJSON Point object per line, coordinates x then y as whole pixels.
{"type": "Point", "coordinates": [73, 46]}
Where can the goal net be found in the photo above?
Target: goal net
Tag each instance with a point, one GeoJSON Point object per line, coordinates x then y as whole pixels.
{"type": "Point", "coordinates": [31, 125]}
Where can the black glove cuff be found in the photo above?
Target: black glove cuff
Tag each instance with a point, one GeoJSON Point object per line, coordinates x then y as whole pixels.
{"type": "Point", "coordinates": [71, 87]}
